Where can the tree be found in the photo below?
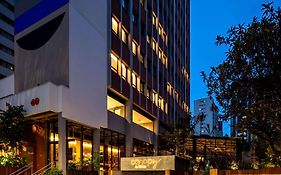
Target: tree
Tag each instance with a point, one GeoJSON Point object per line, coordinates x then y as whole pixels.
{"type": "Point", "coordinates": [247, 84]}
{"type": "Point", "coordinates": [11, 127]}
{"type": "Point", "coordinates": [173, 140]}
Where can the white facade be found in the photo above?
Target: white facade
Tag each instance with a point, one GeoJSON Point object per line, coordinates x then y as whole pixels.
{"type": "Point", "coordinates": [208, 126]}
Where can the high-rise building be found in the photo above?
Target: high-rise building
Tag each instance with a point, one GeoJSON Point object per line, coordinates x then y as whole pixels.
{"type": "Point", "coordinates": [206, 114]}
{"type": "Point", "coordinates": [6, 38]}
{"type": "Point", "coordinates": [99, 76]}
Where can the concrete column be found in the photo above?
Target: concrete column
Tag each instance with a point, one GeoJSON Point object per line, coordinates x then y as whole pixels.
{"type": "Point", "coordinates": [129, 137]}
{"type": "Point", "coordinates": [96, 140]}
{"type": "Point", "coordinates": [155, 138]}
{"type": "Point", "coordinates": [62, 143]}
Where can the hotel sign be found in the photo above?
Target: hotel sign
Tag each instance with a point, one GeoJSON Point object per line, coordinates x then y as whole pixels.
{"type": "Point", "coordinates": [152, 163]}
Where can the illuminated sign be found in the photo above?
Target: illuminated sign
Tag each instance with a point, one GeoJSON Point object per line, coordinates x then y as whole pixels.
{"type": "Point", "coordinates": [152, 163]}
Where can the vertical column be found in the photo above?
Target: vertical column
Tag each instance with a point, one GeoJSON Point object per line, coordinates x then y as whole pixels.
{"type": "Point", "coordinates": [129, 137]}
{"type": "Point", "coordinates": [155, 138]}
{"type": "Point", "coordinates": [62, 143]}
{"type": "Point", "coordinates": [96, 140]}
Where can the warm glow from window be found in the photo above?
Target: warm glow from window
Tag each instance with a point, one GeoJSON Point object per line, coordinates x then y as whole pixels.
{"type": "Point", "coordinates": [155, 98]}
{"type": "Point", "coordinates": [115, 106]}
{"type": "Point", "coordinates": [147, 93]}
{"type": "Point", "coordinates": [153, 45]}
{"type": "Point", "coordinates": [124, 71]}
{"type": "Point", "coordinates": [160, 30]}
{"type": "Point", "coordinates": [114, 62]}
{"type": "Point", "coordinates": [124, 36]}
{"type": "Point", "coordinates": [134, 48]}
{"type": "Point", "coordinates": [148, 39]}
{"type": "Point", "coordinates": [114, 25]}
{"type": "Point", "coordinates": [160, 54]}
{"type": "Point", "coordinates": [154, 19]}
{"type": "Point", "coordinates": [141, 87]}
{"type": "Point", "coordinates": [142, 120]}
{"type": "Point", "coordinates": [138, 83]}
{"type": "Point", "coordinates": [134, 80]}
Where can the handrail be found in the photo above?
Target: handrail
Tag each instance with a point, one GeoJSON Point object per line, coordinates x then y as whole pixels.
{"type": "Point", "coordinates": [43, 168]}
{"type": "Point", "coordinates": [21, 169]}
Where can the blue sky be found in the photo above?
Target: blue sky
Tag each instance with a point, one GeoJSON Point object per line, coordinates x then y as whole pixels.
{"type": "Point", "coordinates": [208, 19]}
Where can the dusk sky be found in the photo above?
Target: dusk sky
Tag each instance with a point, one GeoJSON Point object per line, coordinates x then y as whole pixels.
{"type": "Point", "coordinates": [208, 19]}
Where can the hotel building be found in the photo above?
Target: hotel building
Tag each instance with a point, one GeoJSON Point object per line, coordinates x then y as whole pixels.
{"type": "Point", "coordinates": [6, 38]}
{"type": "Point", "coordinates": [100, 76]}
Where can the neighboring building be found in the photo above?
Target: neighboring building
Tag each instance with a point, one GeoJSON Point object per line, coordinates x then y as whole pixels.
{"type": "Point", "coordinates": [99, 76]}
{"type": "Point", "coordinates": [208, 124]}
{"type": "Point", "coordinates": [7, 17]}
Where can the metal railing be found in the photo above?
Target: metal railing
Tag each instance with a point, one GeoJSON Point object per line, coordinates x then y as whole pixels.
{"type": "Point", "coordinates": [44, 169]}
{"type": "Point", "coordinates": [23, 170]}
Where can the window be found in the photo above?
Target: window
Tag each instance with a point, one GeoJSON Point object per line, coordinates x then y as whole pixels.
{"type": "Point", "coordinates": [164, 37]}
{"type": "Point", "coordinates": [148, 93]}
{"type": "Point", "coordinates": [143, 121]}
{"type": "Point", "coordinates": [153, 45]}
{"type": "Point", "coordinates": [124, 71]}
{"type": "Point", "coordinates": [138, 83]}
{"type": "Point", "coordinates": [141, 58]}
{"type": "Point", "coordinates": [148, 39]}
{"type": "Point", "coordinates": [160, 30]}
{"type": "Point", "coordinates": [160, 54]}
{"type": "Point", "coordinates": [115, 106]}
{"type": "Point", "coordinates": [124, 35]}
{"type": "Point", "coordinates": [134, 80]}
{"type": "Point", "coordinates": [154, 19]}
{"type": "Point", "coordinates": [141, 87]}
{"type": "Point", "coordinates": [114, 25]}
{"type": "Point", "coordinates": [134, 48]}
{"type": "Point", "coordinates": [154, 98]}
{"type": "Point", "coordinates": [114, 62]}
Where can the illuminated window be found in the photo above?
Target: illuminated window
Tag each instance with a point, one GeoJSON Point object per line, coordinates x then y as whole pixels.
{"type": "Point", "coordinates": [160, 30]}
{"type": "Point", "coordinates": [164, 36]}
{"type": "Point", "coordinates": [155, 98]}
{"type": "Point", "coordinates": [148, 93]}
{"type": "Point", "coordinates": [134, 80]}
{"type": "Point", "coordinates": [114, 62]}
{"type": "Point", "coordinates": [153, 45]}
{"type": "Point", "coordinates": [134, 48]}
{"type": "Point", "coordinates": [138, 83]}
{"type": "Point", "coordinates": [160, 54]}
{"type": "Point", "coordinates": [124, 71]}
{"type": "Point", "coordinates": [114, 25]}
{"type": "Point", "coordinates": [141, 87]}
{"type": "Point", "coordinates": [143, 121]}
{"type": "Point", "coordinates": [148, 39]}
{"type": "Point", "coordinates": [124, 36]}
{"type": "Point", "coordinates": [154, 19]}
{"type": "Point", "coordinates": [166, 108]}
{"type": "Point", "coordinates": [141, 58]}
{"type": "Point", "coordinates": [164, 59]}
{"type": "Point", "coordinates": [129, 76]}
{"type": "Point", "coordinates": [115, 106]}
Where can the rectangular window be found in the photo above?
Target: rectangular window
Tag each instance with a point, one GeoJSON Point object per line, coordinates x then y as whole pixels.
{"type": "Point", "coordinates": [124, 71]}
{"type": "Point", "coordinates": [114, 25]}
{"type": "Point", "coordinates": [134, 80]}
{"type": "Point", "coordinates": [115, 106]}
{"type": "Point", "coordinates": [148, 39]}
{"type": "Point", "coordinates": [129, 76]}
{"type": "Point", "coordinates": [160, 54]}
{"type": "Point", "coordinates": [138, 83]}
{"type": "Point", "coordinates": [141, 87]}
{"type": "Point", "coordinates": [114, 62]}
{"type": "Point", "coordinates": [154, 19]}
{"type": "Point", "coordinates": [142, 120]}
{"type": "Point", "coordinates": [153, 45]}
{"type": "Point", "coordinates": [124, 36]}
{"type": "Point", "coordinates": [164, 37]}
{"type": "Point", "coordinates": [148, 93]}
{"type": "Point", "coordinates": [141, 58]}
{"type": "Point", "coordinates": [160, 30]}
{"type": "Point", "coordinates": [134, 48]}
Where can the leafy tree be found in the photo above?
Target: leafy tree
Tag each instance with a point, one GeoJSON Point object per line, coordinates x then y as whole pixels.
{"type": "Point", "coordinates": [11, 127]}
{"type": "Point", "coordinates": [247, 84]}
{"type": "Point", "coordinates": [173, 140]}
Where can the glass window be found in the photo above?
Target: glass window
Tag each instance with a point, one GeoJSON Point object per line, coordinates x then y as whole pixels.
{"type": "Point", "coordinates": [134, 80]}
{"type": "Point", "coordinates": [124, 71]}
{"type": "Point", "coordinates": [141, 87]}
{"type": "Point", "coordinates": [141, 148]}
{"type": "Point", "coordinates": [141, 58]}
{"type": "Point", "coordinates": [153, 45]}
{"type": "Point", "coordinates": [148, 39]}
{"type": "Point", "coordinates": [154, 19]}
{"type": "Point", "coordinates": [160, 54]}
{"type": "Point", "coordinates": [124, 36]}
{"type": "Point", "coordinates": [114, 25]}
{"type": "Point", "coordinates": [134, 48]}
{"type": "Point", "coordinates": [143, 121]}
{"type": "Point", "coordinates": [160, 30]}
{"type": "Point", "coordinates": [115, 106]}
{"type": "Point", "coordinates": [114, 62]}
{"type": "Point", "coordinates": [138, 83]}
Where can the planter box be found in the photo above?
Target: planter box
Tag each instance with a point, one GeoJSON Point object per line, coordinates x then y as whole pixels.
{"type": "Point", "coordinates": [7, 170]}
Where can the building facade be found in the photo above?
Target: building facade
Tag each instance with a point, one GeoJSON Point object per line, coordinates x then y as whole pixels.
{"type": "Point", "coordinates": [101, 76]}
{"type": "Point", "coordinates": [206, 114]}
{"type": "Point", "coordinates": [7, 17]}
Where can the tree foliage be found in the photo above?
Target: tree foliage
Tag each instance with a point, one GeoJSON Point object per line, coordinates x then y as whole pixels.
{"type": "Point", "coordinates": [11, 127]}
{"type": "Point", "coordinates": [247, 84]}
